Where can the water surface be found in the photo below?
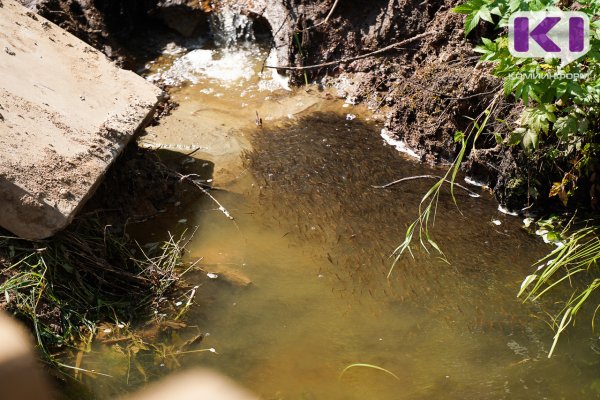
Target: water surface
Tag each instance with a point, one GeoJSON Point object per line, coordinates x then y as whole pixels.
{"type": "Point", "coordinates": [315, 238]}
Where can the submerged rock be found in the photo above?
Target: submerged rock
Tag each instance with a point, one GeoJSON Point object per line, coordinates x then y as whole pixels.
{"type": "Point", "coordinates": [229, 274]}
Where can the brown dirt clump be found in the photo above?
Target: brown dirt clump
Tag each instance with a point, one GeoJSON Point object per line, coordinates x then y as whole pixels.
{"type": "Point", "coordinates": [429, 88]}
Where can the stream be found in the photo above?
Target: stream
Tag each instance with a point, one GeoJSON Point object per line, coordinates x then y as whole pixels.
{"type": "Point", "coordinates": [314, 237]}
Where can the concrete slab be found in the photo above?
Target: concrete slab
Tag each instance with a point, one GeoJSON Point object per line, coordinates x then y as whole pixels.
{"type": "Point", "coordinates": [66, 112]}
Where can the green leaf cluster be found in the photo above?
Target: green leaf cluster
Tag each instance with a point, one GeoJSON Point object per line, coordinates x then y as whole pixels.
{"type": "Point", "coordinates": [560, 121]}
{"type": "Point", "coordinates": [559, 101]}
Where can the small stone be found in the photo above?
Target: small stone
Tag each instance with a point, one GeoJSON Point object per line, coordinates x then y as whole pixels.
{"type": "Point", "coordinates": [230, 275]}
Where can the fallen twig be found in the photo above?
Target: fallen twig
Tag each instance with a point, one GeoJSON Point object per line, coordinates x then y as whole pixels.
{"type": "Point", "coordinates": [326, 18]}
{"type": "Point", "coordinates": [190, 153]}
{"type": "Point", "coordinates": [206, 192]}
{"type": "Point", "coordinates": [450, 97]}
{"type": "Point", "coordinates": [347, 60]}
{"type": "Point", "coordinates": [410, 178]}
{"type": "Point", "coordinates": [197, 178]}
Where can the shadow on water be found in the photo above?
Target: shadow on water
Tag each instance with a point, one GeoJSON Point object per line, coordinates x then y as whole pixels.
{"type": "Point", "coordinates": [315, 238]}
{"type": "Point", "coordinates": [317, 176]}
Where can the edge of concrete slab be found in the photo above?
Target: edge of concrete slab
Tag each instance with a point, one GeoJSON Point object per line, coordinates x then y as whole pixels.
{"type": "Point", "coordinates": [67, 112]}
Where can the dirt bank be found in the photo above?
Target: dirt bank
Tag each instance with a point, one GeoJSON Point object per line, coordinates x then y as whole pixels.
{"type": "Point", "coordinates": [426, 86]}
{"type": "Point", "coordinates": [426, 90]}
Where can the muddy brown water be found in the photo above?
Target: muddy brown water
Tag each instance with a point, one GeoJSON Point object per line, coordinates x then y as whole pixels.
{"type": "Point", "coordinates": [315, 239]}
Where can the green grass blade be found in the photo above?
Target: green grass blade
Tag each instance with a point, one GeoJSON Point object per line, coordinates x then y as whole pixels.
{"type": "Point", "coordinates": [362, 365]}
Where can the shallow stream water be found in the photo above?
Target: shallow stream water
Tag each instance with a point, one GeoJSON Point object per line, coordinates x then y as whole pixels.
{"type": "Point", "coordinates": [315, 239]}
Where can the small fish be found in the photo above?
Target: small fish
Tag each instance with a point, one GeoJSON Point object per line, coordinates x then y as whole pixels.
{"type": "Point", "coordinates": [258, 120]}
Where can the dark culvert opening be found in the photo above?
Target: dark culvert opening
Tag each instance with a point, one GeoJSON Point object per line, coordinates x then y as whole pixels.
{"type": "Point", "coordinates": [262, 29]}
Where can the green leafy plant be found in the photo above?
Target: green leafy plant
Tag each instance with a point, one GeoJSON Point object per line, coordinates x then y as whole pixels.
{"type": "Point", "coordinates": [429, 202]}
{"type": "Point", "coordinates": [577, 253]}
{"type": "Point", "coordinates": [560, 102]}
{"type": "Point", "coordinates": [561, 114]}
{"type": "Point", "coordinates": [560, 123]}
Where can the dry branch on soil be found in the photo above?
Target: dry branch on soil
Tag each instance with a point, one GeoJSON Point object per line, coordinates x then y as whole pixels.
{"type": "Point", "coordinates": [360, 57]}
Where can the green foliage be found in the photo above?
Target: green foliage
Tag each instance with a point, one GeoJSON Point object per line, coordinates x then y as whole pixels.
{"type": "Point", "coordinates": [64, 286]}
{"type": "Point", "coordinates": [495, 12]}
{"type": "Point", "coordinates": [476, 11]}
{"type": "Point", "coordinates": [577, 252]}
{"type": "Point", "coordinates": [429, 202]}
{"type": "Point", "coordinates": [560, 122]}
{"type": "Point", "coordinates": [559, 101]}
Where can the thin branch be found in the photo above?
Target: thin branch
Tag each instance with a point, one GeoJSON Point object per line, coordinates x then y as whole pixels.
{"type": "Point", "coordinates": [347, 60]}
{"type": "Point", "coordinates": [273, 44]}
{"type": "Point", "coordinates": [190, 153]}
{"type": "Point", "coordinates": [326, 18]}
{"type": "Point", "coordinates": [451, 97]}
{"type": "Point", "coordinates": [410, 178]}
{"type": "Point", "coordinates": [476, 94]}
{"type": "Point", "coordinates": [206, 192]}
{"type": "Point", "coordinates": [195, 177]}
